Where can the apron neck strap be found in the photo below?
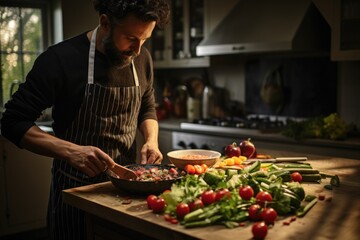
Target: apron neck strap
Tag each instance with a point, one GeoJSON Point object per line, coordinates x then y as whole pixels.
{"type": "Point", "coordinates": [92, 61]}
{"type": "Point", "coordinates": [92, 57]}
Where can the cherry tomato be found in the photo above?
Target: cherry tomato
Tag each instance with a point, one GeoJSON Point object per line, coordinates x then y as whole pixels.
{"type": "Point", "coordinates": [259, 230]}
{"type": "Point", "coordinates": [208, 197]}
{"type": "Point", "coordinates": [296, 177]}
{"type": "Point", "coordinates": [232, 150]}
{"type": "Point", "coordinates": [158, 205]}
{"type": "Point", "coordinates": [269, 215]}
{"type": "Point", "coordinates": [167, 217]}
{"type": "Point", "coordinates": [189, 169]}
{"type": "Point", "coordinates": [263, 197]}
{"type": "Point", "coordinates": [196, 204]}
{"type": "Point", "coordinates": [181, 210]}
{"type": "Point", "coordinates": [246, 192]}
{"type": "Point", "coordinates": [255, 212]}
{"type": "Point", "coordinates": [150, 200]}
{"type": "Point", "coordinates": [204, 167]}
{"type": "Point", "coordinates": [174, 221]}
{"type": "Point", "coordinates": [224, 192]}
{"type": "Point", "coordinates": [198, 169]}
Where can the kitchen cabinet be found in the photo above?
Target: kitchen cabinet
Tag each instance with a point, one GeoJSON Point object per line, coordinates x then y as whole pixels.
{"type": "Point", "coordinates": [345, 44]}
{"type": "Point", "coordinates": [24, 185]}
{"type": "Point", "coordinates": [175, 46]}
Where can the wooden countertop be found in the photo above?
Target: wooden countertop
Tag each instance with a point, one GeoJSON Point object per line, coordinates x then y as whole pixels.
{"type": "Point", "coordinates": [335, 219]}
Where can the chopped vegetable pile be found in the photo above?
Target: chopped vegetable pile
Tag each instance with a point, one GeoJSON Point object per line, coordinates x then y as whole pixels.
{"type": "Point", "coordinates": [156, 174]}
{"type": "Point", "coordinates": [233, 196]}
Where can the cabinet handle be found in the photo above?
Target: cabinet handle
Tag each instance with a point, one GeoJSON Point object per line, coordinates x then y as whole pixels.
{"type": "Point", "coordinates": [238, 48]}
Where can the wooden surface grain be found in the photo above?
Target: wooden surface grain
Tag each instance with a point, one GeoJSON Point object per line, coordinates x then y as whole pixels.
{"type": "Point", "coordinates": [337, 217]}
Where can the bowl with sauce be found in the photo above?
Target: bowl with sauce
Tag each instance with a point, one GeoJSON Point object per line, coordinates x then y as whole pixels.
{"type": "Point", "coordinates": [180, 158]}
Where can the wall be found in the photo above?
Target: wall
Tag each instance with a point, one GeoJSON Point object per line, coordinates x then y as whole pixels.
{"type": "Point", "coordinates": [229, 72]}
{"type": "Point", "coordinates": [349, 91]}
{"type": "Point", "coordinates": [78, 16]}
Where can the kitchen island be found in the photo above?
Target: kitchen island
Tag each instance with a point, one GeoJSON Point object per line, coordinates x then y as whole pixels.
{"type": "Point", "coordinates": [112, 214]}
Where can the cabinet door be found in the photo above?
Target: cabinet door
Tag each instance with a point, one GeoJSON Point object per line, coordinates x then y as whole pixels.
{"type": "Point", "coordinates": [26, 189]}
{"type": "Point", "coordinates": [175, 46]}
{"type": "Point", "coordinates": [346, 30]}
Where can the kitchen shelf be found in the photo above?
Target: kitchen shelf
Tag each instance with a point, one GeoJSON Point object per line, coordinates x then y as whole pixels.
{"type": "Point", "coordinates": [175, 46]}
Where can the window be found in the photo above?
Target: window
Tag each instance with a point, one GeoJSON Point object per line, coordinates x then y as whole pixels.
{"type": "Point", "coordinates": [22, 38]}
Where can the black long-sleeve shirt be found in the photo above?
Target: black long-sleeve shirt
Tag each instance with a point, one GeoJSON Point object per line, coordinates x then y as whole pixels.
{"type": "Point", "coordinates": [58, 80]}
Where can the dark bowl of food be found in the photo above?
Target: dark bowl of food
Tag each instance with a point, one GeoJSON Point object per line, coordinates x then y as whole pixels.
{"type": "Point", "coordinates": [152, 179]}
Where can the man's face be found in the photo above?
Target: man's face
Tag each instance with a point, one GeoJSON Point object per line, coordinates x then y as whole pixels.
{"type": "Point", "coordinates": [125, 39]}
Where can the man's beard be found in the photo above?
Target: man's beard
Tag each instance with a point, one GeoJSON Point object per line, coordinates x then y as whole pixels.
{"type": "Point", "coordinates": [118, 59]}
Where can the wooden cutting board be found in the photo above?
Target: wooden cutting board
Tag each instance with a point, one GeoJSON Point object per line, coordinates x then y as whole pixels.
{"type": "Point", "coordinates": [337, 217]}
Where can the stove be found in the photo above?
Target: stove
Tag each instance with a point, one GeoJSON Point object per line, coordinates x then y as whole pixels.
{"type": "Point", "coordinates": [206, 131]}
{"type": "Point", "coordinates": [250, 124]}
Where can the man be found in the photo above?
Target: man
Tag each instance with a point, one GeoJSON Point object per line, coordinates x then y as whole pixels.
{"type": "Point", "coordinates": [100, 86]}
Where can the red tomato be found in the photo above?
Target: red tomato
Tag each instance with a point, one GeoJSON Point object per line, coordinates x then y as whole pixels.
{"type": "Point", "coordinates": [263, 197]}
{"type": "Point", "coordinates": [255, 212]}
{"type": "Point", "coordinates": [222, 193]}
{"type": "Point", "coordinates": [296, 177]}
{"type": "Point", "coordinates": [189, 169]}
{"type": "Point", "coordinates": [196, 204]}
{"type": "Point", "coordinates": [198, 169]}
{"type": "Point", "coordinates": [204, 167]}
{"type": "Point", "coordinates": [246, 192]}
{"type": "Point", "coordinates": [174, 221]}
{"type": "Point", "coordinates": [232, 150]}
{"type": "Point", "coordinates": [181, 210]}
{"type": "Point", "coordinates": [158, 205]}
{"type": "Point", "coordinates": [208, 197]}
{"type": "Point", "coordinates": [168, 217]}
{"type": "Point", "coordinates": [269, 215]}
{"type": "Point", "coordinates": [150, 200]}
{"type": "Point", "coordinates": [259, 230]}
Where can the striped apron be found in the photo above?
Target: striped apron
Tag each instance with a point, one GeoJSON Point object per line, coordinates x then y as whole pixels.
{"type": "Point", "coordinates": [107, 119]}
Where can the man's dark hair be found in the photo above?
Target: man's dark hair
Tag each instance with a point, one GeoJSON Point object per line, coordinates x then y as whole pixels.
{"type": "Point", "coordinates": [146, 10]}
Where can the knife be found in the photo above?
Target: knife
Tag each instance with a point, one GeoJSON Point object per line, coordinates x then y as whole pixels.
{"type": "Point", "coordinates": [275, 160]}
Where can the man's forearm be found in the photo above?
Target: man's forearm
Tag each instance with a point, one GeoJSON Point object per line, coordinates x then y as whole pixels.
{"type": "Point", "coordinates": [150, 130]}
{"type": "Point", "coordinates": [40, 142]}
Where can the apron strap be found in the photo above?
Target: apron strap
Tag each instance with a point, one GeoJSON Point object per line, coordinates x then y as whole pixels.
{"type": "Point", "coordinates": [92, 57]}
{"type": "Point", "coordinates": [92, 61]}
{"type": "Point", "coordinates": [136, 79]}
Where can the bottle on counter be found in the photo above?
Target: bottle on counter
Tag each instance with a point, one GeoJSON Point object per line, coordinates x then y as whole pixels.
{"type": "Point", "coordinates": [207, 102]}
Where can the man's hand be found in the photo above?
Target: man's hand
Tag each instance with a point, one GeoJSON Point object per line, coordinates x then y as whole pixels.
{"type": "Point", "coordinates": [150, 154]}
{"type": "Point", "coordinates": [90, 160]}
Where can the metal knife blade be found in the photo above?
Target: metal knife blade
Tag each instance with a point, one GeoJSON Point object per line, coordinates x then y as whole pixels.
{"type": "Point", "coordinates": [275, 160]}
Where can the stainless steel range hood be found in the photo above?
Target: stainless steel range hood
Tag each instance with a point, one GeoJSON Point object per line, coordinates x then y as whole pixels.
{"type": "Point", "coordinates": [255, 26]}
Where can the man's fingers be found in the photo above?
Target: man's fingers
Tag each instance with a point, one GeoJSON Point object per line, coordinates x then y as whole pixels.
{"type": "Point", "coordinates": [105, 160]}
